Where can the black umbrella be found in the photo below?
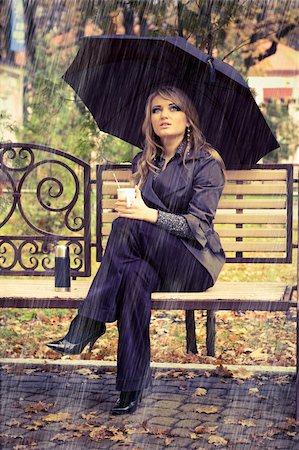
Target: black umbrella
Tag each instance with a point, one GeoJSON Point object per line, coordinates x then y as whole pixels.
{"type": "Point", "coordinates": [114, 75]}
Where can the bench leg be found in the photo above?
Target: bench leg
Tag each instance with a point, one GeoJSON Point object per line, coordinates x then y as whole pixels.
{"type": "Point", "coordinates": [190, 332]}
{"type": "Point", "coordinates": [211, 333]}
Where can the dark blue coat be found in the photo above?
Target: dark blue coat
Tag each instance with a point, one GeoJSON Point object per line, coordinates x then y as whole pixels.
{"type": "Point", "coordinates": [192, 190]}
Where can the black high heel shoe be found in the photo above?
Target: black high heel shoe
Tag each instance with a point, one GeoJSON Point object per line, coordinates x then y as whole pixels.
{"type": "Point", "coordinates": [127, 402]}
{"type": "Point", "coordinates": [82, 331]}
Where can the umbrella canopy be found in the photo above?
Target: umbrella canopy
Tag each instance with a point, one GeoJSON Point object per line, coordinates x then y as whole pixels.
{"type": "Point", "coordinates": [114, 75]}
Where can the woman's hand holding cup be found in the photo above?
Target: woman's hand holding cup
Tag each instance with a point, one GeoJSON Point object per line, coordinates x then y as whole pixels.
{"type": "Point", "coordinates": [131, 205]}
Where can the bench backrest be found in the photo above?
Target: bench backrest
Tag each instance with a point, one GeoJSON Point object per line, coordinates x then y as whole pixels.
{"type": "Point", "coordinates": [47, 197]}
{"type": "Point", "coordinates": [254, 217]}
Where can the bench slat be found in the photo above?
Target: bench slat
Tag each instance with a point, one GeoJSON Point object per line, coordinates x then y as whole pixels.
{"type": "Point", "coordinates": [261, 232]}
{"type": "Point", "coordinates": [254, 246]}
{"type": "Point", "coordinates": [108, 203]}
{"type": "Point", "coordinates": [224, 295]}
{"type": "Point", "coordinates": [234, 232]}
{"type": "Point", "coordinates": [254, 174]}
{"type": "Point", "coordinates": [233, 189]}
{"type": "Point", "coordinates": [257, 174]}
{"type": "Point", "coordinates": [255, 189]}
{"type": "Point", "coordinates": [226, 217]}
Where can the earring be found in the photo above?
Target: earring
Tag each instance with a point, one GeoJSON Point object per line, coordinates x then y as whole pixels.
{"type": "Point", "coordinates": [188, 135]}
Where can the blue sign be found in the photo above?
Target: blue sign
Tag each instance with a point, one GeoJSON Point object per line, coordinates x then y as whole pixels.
{"type": "Point", "coordinates": [17, 37]}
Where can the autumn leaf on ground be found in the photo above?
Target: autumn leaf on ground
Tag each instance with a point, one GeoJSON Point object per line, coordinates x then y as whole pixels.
{"type": "Point", "coordinates": [89, 416]}
{"type": "Point", "coordinates": [253, 391]}
{"type": "Point", "coordinates": [247, 423]}
{"type": "Point", "coordinates": [217, 440]}
{"type": "Point", "coordinates": [136, 430]}
{"type": "Point", "coordinates": [292, 421]}
{"type": "Point", "coordinates": [222, 371]}
{"type": "Point", "coordinates": [81, 428]}
{"type": "Point", "coordinates": [35, 425]}
{"type": "Point", "coordinates": [104, 432]}
{"type": "Point", "coordinates": [200, 392]}
{"type": "Point", "coordinates": [13, 423]}
{"type": "Point", "coordinates": [25, 446]}
{"type": "Point", "coordinates": [29, 371]}
{"type": "Point", "coordinates": [282, 380]}
{"type": "Point", "coordinates": [230, 420]}
{"type": "Point", "coordinates": [196, 436]}
{"type": "Point", "coordinates": [66, 436]}
{"type": "Point", "coordinates": [160, 432]}
{"type": "Point", "coordinates": [259, 355]}
{"type": "Point", "coordinates": [203, 429]}
{"type": "Point", "coordinates": [38, 407]}
{"type": "Point", "coordinates": [207, 409]}
{"type": "Point", "coordinates": [241, 373]}
{"type": "Point", "coordinates": [84, 371]}
{"type": "Point", "coordinates": [58, 417]}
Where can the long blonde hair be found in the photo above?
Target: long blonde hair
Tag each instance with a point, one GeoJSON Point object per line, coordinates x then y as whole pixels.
{"type": "Point", "coordinates": [197, 141]}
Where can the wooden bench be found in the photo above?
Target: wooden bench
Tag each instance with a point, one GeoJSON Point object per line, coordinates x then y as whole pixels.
{"type": "Point", "coordinates": [254, 220]}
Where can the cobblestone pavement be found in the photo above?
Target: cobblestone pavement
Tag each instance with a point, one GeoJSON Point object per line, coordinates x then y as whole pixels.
{"type": "Point", "coordinates": [49, 407]}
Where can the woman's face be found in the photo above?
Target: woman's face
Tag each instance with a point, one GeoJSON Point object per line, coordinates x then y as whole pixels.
{"type": "Point", "coordinates": [168, 121]}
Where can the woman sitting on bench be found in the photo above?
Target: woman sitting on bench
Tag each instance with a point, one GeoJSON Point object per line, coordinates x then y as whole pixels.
{"type": "Point", "coordinates": [164, 241]}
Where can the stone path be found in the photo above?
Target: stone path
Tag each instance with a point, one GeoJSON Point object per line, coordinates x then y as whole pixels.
{"type": "Point", "coordinates": [49, 407]}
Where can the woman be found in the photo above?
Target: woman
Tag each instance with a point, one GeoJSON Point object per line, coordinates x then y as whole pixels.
{"type": "Point", "coordinates": [165, 241]}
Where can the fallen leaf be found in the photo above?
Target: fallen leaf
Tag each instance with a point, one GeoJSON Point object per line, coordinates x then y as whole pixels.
{"type": "Point", "coordinates": [35, 425]}
{"type": "Point", "coordinates": [178, 374]}
{"type": "Point", "coordinates": [58, 417]}
{"type": "Point", "coordinates": [242, 373]}
{"type": "Point", "coordinates": [207, 409]}
{"type": "Point", "coordinates": [81, 428]}
{"type": "Point", "coordinates": [104, 432]}
{"type": "Point", "coordinates": [38, 407]}
{"type": "Point", "coordinates": [25, 446]}
{"type": "Point", "coordinates": [84, 371]}
{"type": "Point", "coordinates": [259, 355]}
{"type": "Point", "coordinates": [168, 441]}
{"type": "Point", "coordinates": [195, 436]}
{"type": "Point", "coordinates": [135, 430]}
{"type": "Point", "coordinates": [253, 391]}
{"type": "Point", "coordinates": [217, 440]}
{"type": "Point", "coordinates": [203, 429]}
{"type": "Point", "coordinates": [231, 420]}
{"type": "Point", "coordinates": [222, 371]}
{"type": "Point", "coordinates": [200, 392]}
{"type": "Point", "coordinates": [89, 416]}
{"type": "Point", "coordinates": [13, 423]}
{"type": "Point", "coordinates": [66, 436]}
{"type": "Point", "coordinates": [247, 423]}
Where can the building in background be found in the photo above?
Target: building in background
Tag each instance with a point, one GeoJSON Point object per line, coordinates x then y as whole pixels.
{"type": "Point", "coordinates": [277, 78]}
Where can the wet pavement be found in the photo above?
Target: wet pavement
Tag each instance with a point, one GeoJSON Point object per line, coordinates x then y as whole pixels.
{"type": "Point", "coordinates": [46, 406]}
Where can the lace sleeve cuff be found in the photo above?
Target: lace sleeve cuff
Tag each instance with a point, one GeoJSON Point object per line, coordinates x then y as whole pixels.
{"type": "Point", "coordinates": [175, 224]}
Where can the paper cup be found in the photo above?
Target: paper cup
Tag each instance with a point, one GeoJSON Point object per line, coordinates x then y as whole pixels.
{"type": "Point", "coordinates": [127, 194]}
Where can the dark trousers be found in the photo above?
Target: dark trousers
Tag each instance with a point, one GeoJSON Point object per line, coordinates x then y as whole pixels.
{"type": "Point", "coordinates": [140, 258]}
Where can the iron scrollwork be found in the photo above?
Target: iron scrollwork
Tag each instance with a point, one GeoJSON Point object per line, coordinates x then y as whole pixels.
{"type": "Point", "coordinates": [44, 200]}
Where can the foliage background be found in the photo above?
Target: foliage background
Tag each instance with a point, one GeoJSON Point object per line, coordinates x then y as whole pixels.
{"type": "Point", "coordinates": [230, 30]}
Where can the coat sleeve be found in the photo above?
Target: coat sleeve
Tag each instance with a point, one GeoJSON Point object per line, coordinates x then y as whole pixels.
{"type": "Point", "coordinates": [208, 184]}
